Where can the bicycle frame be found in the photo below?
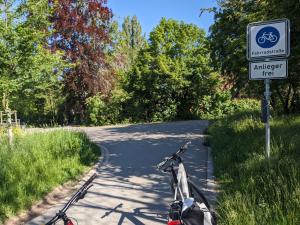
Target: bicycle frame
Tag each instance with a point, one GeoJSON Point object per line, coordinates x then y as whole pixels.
{"type": "Point", "coordinates": [181, 186]}
{"type": "Point", "coordinates": [267, 37]}
{"type": "Point", "coordinates": [184, 191]}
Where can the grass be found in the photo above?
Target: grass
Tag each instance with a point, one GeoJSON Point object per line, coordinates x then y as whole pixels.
{"type": "Point", "coordinates": [36, 163]}
{"type": "Point", "coordinates": [256, 190]}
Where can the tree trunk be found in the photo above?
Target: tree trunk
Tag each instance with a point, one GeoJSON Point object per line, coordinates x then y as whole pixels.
{"type": "Point", "coordinates": [287, 100]}
{"type": "Point", "coordinates": [9, 128]}
{"type": "Point", "coordinates": [279, 95]}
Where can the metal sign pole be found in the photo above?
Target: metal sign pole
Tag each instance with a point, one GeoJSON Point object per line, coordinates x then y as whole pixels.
{"type": "Point", "coordinates": [267, 96]}
{"type": "Point", "coordinates": [265, 65]}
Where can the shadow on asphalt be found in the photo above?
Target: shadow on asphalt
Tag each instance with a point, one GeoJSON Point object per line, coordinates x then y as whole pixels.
{"type": "Point", "coordinates": [144, 146]}
{"type": "Point", "coordinates": [129, 189]}
{"type": "Point", "coordinates": [134, 216]}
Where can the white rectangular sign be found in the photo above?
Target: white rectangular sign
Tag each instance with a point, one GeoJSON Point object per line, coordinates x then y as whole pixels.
{"type": "Point", "coordinates": [268, 39]}
{"type": "Point", "coordinates": [268, 70]}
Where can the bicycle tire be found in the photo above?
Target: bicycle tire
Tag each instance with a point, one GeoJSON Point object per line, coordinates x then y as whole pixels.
{"type": "Point", "coordinates": [194, 189]}
{"type": "Point", "coordinates": [197, 194]}
{"type": "Point", "coordinates": [261, 40]}
{"type": "Point", "coordinates": [275, 38]}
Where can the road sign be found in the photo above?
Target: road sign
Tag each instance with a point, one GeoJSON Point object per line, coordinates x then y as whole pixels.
{"type": "Point", "coordinates": [268, 47]}
{"type": "Point", "coordinates": [269, 39]}
{"type": "Point", "coordinates": [275, 69]}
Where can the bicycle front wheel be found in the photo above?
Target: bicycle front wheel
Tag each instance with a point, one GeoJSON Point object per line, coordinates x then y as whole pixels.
{"type": "Point", "coordinates": [197, 194]}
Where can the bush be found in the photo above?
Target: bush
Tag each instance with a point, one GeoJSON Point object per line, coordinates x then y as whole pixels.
{"type": "Point", "coordinates": [220, 104]}
{"type": "Point", "coordinates": [103, 111]}
{"type": "Point", "coordinates": [96, 111]}
{"type": "Point", "coordinates": [39, 162]}
{"type": "Point", "coordinates": [256, 190]}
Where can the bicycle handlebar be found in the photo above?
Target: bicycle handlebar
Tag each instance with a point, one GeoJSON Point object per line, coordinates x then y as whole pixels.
{"type": "Point", "coordinates": [174, 156]}
{"type": "Point", "coordinates": [80, 194]}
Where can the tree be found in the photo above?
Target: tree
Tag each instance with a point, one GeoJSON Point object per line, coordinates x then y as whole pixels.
{"type": "Point", "coordinates": [287, 92]}
{"type": "Point", "coordinates": [131, 40]}
{"type": "Point", "coordinates": [228, 46]}
{"type": "Point", "coordinates": [126, 44]}
{"type": "Point", "coordinates": [171, 74]}
{"type": "Point", "coordinates": [81, 31]}
{"type": "Point", "coordinates": [27, 67]}
{"type": "Point", "coordinates": [121, 55]}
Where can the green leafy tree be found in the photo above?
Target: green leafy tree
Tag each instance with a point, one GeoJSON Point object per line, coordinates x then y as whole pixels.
{"type": "Point", "coordinates": [171, 74]}
{"type": "Point", "coordinates": [287, 92]}
{"type": "Point", "coordinates": [228, 47]}
{"type": "Point", "coordinates": [126, 44]}
{"type": "Point", "coordinates": [28, 69]}
{"type": "Point", "coordinates": [131, 40]}
{"type": "Point", "coordinates": [121, 54]}
{"type": "Point", "coordinates": [228, 43]}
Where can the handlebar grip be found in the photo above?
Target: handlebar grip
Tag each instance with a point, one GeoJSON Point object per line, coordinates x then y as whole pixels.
{"type": "Point", "coordinates": [161, 164]}
{"type": "Point", "coordinates": [174, 156]}
{"type": "Point", "coordinates": [88, 182]}
{"type": "Point", "coordinates": [184, 148]}
{"type": "Point", "coordinates": [91, 179]}
{"type": "Point", "coordinates": [186, 145]}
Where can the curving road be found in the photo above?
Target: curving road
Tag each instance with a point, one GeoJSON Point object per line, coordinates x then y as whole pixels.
{"type": "Point", "coordinates": [129, 190]}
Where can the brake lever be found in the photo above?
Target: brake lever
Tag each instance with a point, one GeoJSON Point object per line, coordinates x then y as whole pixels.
{"type": "Point", "coordinates": [175, 156]}
{"type": "Point", "coordinates": [161, 164]}
{"type": "Point", "coordinates": [83, 193]}
{"type": "Point", "coordinates": [183, 148]}
{"type": "Point", "coordinates": [167, 170]}
{"type": "Point", "coordinates": [89, 187]}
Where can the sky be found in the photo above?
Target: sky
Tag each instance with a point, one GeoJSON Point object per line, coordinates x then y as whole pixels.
{"type": "Point", "coordinates": [149, 12]}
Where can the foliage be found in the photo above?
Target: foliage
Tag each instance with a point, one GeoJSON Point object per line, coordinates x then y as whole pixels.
{"type": "Point", "coordinates": [17, 131]}
{"type": "Point", "coordinates": [220, 104]}
{"type": "Point", "coordinates": [29, 71]}
{"type": "Point", "coordinates": [170, 75]}
{"type": "Point", "coordinates": [81, 30]}
{"type": "Point", "coordinates": [129, 42]}
{"type": "Point", "coordinates": [228, 46]}
{"type": "Point", "coordinates": [96, 110]}
{"type": "Point", "coordinates": [256, 190]}
{"type": "Point", "coordinates": [121, 52]}
{"type": "Point", "coordinates": [39, 162]}
{"type": "Point", "coordinates": [103, 111]}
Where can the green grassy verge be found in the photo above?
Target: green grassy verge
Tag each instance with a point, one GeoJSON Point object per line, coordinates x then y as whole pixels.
{"type": "Point", "coordinates": [39, 162]}
{"type": "Point", "coordinates": [255, 190]}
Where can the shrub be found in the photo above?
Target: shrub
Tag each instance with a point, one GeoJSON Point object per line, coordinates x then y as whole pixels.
{"type": "Point", "coordinates": [103, 111]}
{"type": "Point", "coordinates": [96, 111]}
{"type": "Point", "coordinates": [220, 104]}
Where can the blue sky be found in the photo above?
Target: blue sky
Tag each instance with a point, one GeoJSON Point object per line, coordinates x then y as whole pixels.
{"type": "Point", "coordinates": [149, 12]}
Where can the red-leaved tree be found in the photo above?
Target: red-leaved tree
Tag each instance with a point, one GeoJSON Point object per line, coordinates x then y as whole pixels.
{"type": "Point", "coordinates": [81, 30]}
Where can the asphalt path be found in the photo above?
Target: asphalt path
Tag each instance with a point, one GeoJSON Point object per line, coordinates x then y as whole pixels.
{"type": "Point", "coordinates": [128, 188]}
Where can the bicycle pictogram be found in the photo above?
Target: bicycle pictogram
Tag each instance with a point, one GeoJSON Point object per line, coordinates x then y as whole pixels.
{"type": "Point", "coordinates": [267, 37]}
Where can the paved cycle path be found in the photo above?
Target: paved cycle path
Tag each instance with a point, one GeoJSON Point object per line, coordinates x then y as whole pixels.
{"type": "Point", "coordinates": [128, 189]}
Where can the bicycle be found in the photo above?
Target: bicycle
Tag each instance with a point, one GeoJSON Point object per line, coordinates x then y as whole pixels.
{"type": "Point", "coordinates": [189, 207]}
{"type": "Point", "coordinates": [80, 194]}
{"type": "Point", "coordinates": [267, 37]}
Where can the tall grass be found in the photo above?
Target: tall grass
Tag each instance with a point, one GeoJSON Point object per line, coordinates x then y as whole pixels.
{"type": "Point", "coordinates": [38, 162]}
{"type": "Point", "coordinates": [256, 190]}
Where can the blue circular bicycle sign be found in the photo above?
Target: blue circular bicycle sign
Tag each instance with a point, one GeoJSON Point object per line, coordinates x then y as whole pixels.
{"type": "Point", "coordinates": [267, 37]}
